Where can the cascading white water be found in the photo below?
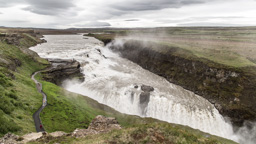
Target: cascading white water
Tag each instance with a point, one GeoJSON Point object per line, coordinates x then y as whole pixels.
{"type": "Point", "coordinates": [117, 82]}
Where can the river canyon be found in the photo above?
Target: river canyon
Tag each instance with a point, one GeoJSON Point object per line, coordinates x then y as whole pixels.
{"type": "Point", "coordinates": [128, 88]}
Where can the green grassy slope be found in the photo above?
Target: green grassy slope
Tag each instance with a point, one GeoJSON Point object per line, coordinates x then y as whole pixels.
{"type": "Point", "coordinates": [19, 97]}
{"type": "Point", "coordinates": [233, 47]}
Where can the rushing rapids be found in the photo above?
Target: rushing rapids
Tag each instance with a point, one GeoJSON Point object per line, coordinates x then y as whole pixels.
{"type": "Point", "coordinates": [119, 83]}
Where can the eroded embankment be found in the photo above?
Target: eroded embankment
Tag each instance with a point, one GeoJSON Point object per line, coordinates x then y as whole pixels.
{"type": "Point", "coordinates": [231, 90]}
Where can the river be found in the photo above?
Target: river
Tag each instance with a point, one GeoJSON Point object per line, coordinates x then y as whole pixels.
{"type": "Point", "coordinates": [117, 82]}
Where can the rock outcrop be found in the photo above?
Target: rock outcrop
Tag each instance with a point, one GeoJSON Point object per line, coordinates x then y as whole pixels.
{"type": "Point", "coordinates": [62, 69]}
{"type": "Point", "coordinates": [98, 125]}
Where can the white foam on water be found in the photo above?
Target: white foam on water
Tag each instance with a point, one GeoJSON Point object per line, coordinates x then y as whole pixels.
{"type": "Point", "coordinates": [111, 80]}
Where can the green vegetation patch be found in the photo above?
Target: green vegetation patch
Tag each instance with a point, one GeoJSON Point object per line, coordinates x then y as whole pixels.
{"type": "Point", "coordinates": [224, 57]}
{"type": "Point", "coordinates": [105, 38]}
{"type": "Point", "coordinates": [18, 93]}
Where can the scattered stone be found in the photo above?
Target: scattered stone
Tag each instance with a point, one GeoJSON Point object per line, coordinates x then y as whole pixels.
{"type": "Point", "coordinates": [100, 124]}
{"type": "Point", "coordinates": [83, 132]}
{"type": "Point", "coordinates": [9, 138]}
{"type": "Point", "coordinates": [237, 100]}
{"type": "Point", "coordinates": [58, 134]}
{"type": "Point", "coordinates": [104, 124]}
{"type": "Point", "coordinates": [31, 137]}
{"type": "Point", "coordinates": [234, 74]}
{"type": "Point", "coordinates": [220, 74]}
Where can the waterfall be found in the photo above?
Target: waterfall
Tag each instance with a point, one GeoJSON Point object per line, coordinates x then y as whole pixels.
{"type": "Point", "coordinates": [128, 88]}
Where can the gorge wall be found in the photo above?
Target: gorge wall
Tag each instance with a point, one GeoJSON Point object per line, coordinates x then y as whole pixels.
{"type": "Point", "coordinates": [231, 90]}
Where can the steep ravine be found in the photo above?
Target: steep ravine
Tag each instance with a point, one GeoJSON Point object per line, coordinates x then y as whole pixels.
{"type": "Point", "coordinates": [120, 84]}
{"type": "Point", "coordinates": [231, 90]}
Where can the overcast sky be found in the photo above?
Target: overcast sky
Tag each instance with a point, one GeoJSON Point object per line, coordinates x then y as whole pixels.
{"type": "Point", "coordinates": [126, 13]}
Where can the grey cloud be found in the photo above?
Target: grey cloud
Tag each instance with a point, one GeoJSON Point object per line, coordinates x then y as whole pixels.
{"type": "Point", "coordinates": [189, 2]}
{"type": "Point", "coordinates": [18, 21]}
{"type": "Point", "coordinates": [206, 24]}
{"type": "Point", "coordinates": [43, 7]}
{"type": "Point", "coordinates": [49, 7]}
{"type": "Point", "coordinates": [154, 4]}
{"type": "Point", "coordinates": [1, 13]}
{"type": "Point", "coordinates": [132, 20]}
{"type": "Point", "coordinates": [94, 24]}
{"type": "Point", "coordinates": [8, 3]}
{"type": "Point", "coordinates": [198, 19]}
{"type": "Point", "coordinates": [216, 17]}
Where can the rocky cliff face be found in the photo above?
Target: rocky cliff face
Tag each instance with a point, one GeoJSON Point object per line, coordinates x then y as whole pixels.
{"type": "Point", "coordinates": [231, 90]}
{"type": "Point", "coordinates": [62, 69]}
{"type": "Point", "coordinates": [14, 38]}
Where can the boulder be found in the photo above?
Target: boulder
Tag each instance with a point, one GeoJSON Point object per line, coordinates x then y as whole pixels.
{"type": "Point", "coordinates": [146, 88]}
{"type": "Point", "coordinates": [58, 134]}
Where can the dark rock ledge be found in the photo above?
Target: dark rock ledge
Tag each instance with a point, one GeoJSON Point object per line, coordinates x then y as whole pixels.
{"type": "Point", "coordinates": [62, 69]}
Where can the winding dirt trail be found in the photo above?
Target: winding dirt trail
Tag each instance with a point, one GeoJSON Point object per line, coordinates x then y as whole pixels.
{"type": "Point", "coordinates": [36, 115]}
